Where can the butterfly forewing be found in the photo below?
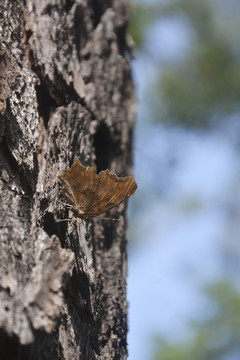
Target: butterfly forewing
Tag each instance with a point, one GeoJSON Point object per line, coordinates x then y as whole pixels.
{"type": "Point", "coordinates": [112, 191]}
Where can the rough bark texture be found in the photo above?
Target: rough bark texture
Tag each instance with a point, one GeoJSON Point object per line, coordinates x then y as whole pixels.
{"type": "Point", "coordinates": [65, 92]}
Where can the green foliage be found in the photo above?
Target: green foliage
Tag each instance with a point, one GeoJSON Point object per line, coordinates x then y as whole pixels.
{"type": "Point", "coordinates": [141, 16]}
{"type": "Point", "coordinates": [214, 337]}
{"type": "Point", "coordinates": [205, 85]}
{"type": "Point", "coordinates": [137, 24]}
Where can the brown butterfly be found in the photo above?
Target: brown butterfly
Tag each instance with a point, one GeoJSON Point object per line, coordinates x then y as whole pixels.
{"type": "Point", "coordinates": [90, 194]}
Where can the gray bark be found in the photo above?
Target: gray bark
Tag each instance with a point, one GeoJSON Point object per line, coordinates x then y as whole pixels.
{"type": "Point", "coordinates": [66, 92]}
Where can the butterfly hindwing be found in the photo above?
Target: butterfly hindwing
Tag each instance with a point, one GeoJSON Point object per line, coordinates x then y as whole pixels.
{"type": "Point", "coordinates": [79, 184]}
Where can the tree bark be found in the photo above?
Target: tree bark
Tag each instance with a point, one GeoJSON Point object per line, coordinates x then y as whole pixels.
{"type": "Point", "coordinates": [66, 92]}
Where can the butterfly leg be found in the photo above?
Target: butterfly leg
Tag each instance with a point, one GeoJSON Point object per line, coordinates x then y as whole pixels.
{"type": "Point", "coordinates": [65, 220]}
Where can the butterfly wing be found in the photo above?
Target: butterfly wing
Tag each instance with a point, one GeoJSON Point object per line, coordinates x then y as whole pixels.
{"type": "Point", "coordinates": [110, 192]}
{"type": "Point", "coordinates": [79, 185]}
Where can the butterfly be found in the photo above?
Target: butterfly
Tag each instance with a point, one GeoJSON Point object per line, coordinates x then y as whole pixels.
{"type": "Point", "coordinates": [89, 194]}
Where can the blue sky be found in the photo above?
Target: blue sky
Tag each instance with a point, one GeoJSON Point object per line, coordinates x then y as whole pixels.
{"type": "Point", "coordinates": [179, 232]}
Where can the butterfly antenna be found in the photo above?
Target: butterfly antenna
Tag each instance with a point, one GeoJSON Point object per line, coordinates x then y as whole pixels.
{"type": "Point", "coordinates": [105, 218]}
{"type": "Point", "coordinates": [61, 202]}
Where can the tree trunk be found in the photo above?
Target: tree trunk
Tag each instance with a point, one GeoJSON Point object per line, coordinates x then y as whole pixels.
{"type": "Point", "coordinates": [66, 92]}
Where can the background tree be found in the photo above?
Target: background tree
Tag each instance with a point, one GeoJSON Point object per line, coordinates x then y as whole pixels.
{"type": "Point", "coordinates": [66, 92]}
